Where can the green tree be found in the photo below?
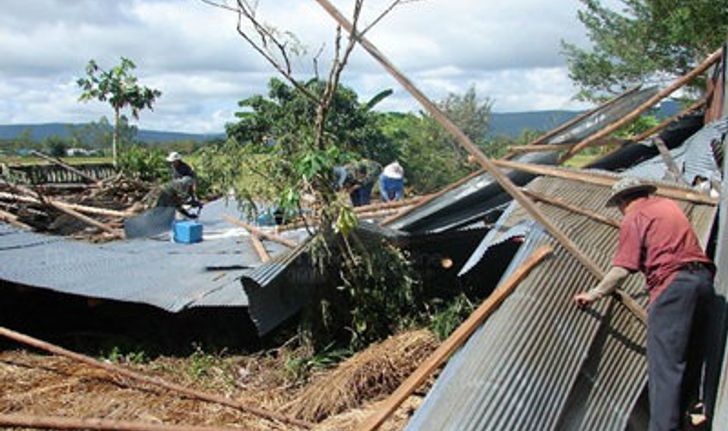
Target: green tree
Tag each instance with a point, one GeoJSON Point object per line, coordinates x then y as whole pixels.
{"type": "Point", "coordinates": [56, 146]}
{"type": "Point", "coordinates": [119, 87]}
{"type": "Point", "coordinates": [431, 156]}
{"type": "Point", "coordinates": [647, 41]}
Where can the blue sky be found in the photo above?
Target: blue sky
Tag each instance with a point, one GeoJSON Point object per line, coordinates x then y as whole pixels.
{"type": "Point", "coordinates": [190, 51]}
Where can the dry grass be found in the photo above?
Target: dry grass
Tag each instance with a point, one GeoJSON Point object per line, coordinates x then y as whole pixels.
{"type": "Point", "coordinates": [376, 371]}
{"type": "Point", "coordinates": [35, 384]}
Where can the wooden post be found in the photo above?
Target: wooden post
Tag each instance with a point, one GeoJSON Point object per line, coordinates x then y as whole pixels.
{"type": "Point", "coordinates": [627, 119]}
{"type": "Point", "coordinates": [573, 208]}
{"type": "Point", "coordinates": [259, 248]}
{"type": "Point", "coordinates": [67, 167]}
{"type": "Point", "coordinates": [454, 341]}
{"type": "Point", "coordinates": [153, 381]}
{"type": "Point", "coordinates": [558, 147]}
{"type": "Point", "coordinates": [255, 231]}
{"type": "Point", "coordinates": [679, 193]}
{"type": "Point", "coordinates": [468, 145]}
{"type": "Point", "coordinates": [66, 423]}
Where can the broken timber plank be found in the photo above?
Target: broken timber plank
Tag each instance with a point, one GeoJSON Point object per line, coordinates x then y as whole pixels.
{"type": "Point", "coordinates": [668, 160]}
{"type": "Point", "coordinates": [78, 207]}
{"type": "Point", "coordinates": [573, 208]}
{"type": "Point", "coordinates": [627, 119]}
{"type": "Point", "coordinates": [153, 381]}
{"type": "Point", "coordinates": [595, 178]}
{"type": "Point", "coordinates": [259, 248]}
{"type": "Point", "coordinates": [255, 231]}
{"type": "Point", "coordinates": [67, 167]}
{"type": "Point", "coordinates": [13, 220]}
{"type": "Point", "coordinates": [66, 423]}
{"type": "Point", "coordinates": [503, 180]}
{"type": "Point", "coordinates": [455, 340]}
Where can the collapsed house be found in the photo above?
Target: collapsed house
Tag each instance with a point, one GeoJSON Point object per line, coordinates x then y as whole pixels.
{"type": "Point", "coordinates": [538, 362]}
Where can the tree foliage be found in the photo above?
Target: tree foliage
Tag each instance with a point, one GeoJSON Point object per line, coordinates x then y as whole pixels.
{"type": "Point", "coordinates": [647, 41]}
{"type": "Point", "coordinates": [120, 88]}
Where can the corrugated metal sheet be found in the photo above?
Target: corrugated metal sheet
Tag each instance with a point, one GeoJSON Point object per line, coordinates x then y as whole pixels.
{"type": "Point", "coordinates": [540, 363]}
{"type": "Point", "coordinates": [470, 200]}
{"type": "Point", "coordinates": [721, 286]}
{"type": "Point", "coordinates": [151, 271]}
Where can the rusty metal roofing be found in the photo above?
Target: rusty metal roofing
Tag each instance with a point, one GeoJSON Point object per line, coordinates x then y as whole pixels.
{"type": "Point", "coordinates": [539, 362]}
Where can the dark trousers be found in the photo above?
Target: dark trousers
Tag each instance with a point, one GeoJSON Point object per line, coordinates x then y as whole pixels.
{"type": "Point", "coordinates": [676, 332]}
{"type": "Point", "coordinates": [362, 195]}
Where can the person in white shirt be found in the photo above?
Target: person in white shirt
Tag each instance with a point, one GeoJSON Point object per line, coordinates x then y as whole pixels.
{"type": "Point", "coordinates": [391, 182]}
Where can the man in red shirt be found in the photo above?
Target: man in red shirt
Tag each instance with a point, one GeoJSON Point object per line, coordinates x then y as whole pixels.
{"type": "Point", "coordinates": [657, 239]}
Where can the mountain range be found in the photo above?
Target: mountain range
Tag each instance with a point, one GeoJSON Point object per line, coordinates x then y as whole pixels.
{"type": "Point", "coordinates": [510, 124]}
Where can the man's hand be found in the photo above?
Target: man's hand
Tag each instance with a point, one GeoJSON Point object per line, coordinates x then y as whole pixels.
{"type": "Point", "coordinates": [584, 299]}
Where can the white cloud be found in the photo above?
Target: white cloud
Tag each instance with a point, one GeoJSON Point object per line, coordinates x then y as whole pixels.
{"type": "Point", "coordinates": [191, 51]}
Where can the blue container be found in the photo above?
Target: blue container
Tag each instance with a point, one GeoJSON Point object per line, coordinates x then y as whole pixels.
{"type": "Point", "coordinates": [187, 232]}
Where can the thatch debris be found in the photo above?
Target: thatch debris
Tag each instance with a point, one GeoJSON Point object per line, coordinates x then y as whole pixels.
{"type": "Point", "coordinates": [370, 374]}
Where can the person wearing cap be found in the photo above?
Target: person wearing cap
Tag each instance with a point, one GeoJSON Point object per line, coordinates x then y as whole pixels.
{"type": "Point", "coordinates": [656, 238]}
{"type": "Point", "coordinates": [391, 182]}
{"type": "Point", "coordinates": [179, 168]}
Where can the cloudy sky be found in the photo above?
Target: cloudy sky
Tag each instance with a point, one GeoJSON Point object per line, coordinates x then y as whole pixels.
{"type": "Point", "coordinates": [510, 51]}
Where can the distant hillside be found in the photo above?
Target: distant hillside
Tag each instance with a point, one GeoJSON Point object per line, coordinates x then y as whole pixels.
{"type": "Point", "coordinates": [38, 132]}
{"type": "Point", "coordinates": [511, 124]}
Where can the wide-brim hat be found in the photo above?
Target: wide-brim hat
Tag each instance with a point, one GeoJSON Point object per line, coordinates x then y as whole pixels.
{"type": "Point", "coordinates": [174, 156]}
{"type": "Point", "coordinates": [628, 186]}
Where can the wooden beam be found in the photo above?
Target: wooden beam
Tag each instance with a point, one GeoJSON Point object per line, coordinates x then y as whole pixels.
{"type": "Point", "coordinates": [80, 208]}
{"type": "Point", "coordinates": [627, 119]}
{"type": "Point", "coordinates": [259, 248]}
{"type": "Point", "coordinates": [67, 167]}
{"type": "Point", "coordinates": [668, 160]}
{"type": "Point", "coordinates": [475, 152]}
{"type": "Point", "coordinates": [573, 208]}
{"type": "Point", "coordinates": [647, 133]}
{"type": "Point", "coordinates": [558, 147]}
{"type": "Point", "coordinates": [595, 178]}
{"type": "Point", "coordinates": [260, 233]}
{"type": "Point", "coordinates": [152, 381]}
{"type": "Point", "coordinates": [66, 423]}
{"type": "Point", "coordinates": [13, 220]}
{"type": "Point", "coordinates": [454, 341]}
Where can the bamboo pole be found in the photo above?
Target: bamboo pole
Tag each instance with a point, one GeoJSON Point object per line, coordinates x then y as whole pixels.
{"type": "Point", "coordinates": [153, 381]}
{"type": "Point", "coordinates": [595, 178]}
{"type": "Point", "coordinates": [390, 205]}
{"type": "Point", "coordinates": [67, 167]}
{"type": "Point", "coordinates": [66, 423]}
{"type": "Point", "coordinates": [573, 208]}
{"type": "Point", "coordinates": [13, 220]}
{"type": "Point", "coordinates": [78, 207]}
{"type": "Point", "coordinates": [486, 163]}
{"type": "Point", "coordinates": [255, 231]}
{"type": "Point", "coordinates": [454, 341]}
{"type": "Point", "coordinates": [647, 133]}
{"type": "Point", "coordinates": [259, 248]}
{"type": "Point", "coordinates": [627, 119]}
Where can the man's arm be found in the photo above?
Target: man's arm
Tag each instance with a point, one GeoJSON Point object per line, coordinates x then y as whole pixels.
{"type": "Point", "coordinates": [611, 281]}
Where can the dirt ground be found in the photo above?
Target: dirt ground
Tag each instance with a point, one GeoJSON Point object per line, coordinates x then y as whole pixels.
{"type": "Point", "coordinates": [45, 385]}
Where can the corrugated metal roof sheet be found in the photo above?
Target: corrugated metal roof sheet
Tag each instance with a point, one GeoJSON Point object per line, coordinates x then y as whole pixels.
{"type": "Point", "coordinates": [149, 271]}
{"type": "Point", "coordinates": [721, 287]}
{"type": "Point", "coordinates": [540, 363]}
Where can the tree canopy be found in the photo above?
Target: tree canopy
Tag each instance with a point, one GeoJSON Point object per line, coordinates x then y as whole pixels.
{"type": "Point", "coordinates": [647, 41]}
